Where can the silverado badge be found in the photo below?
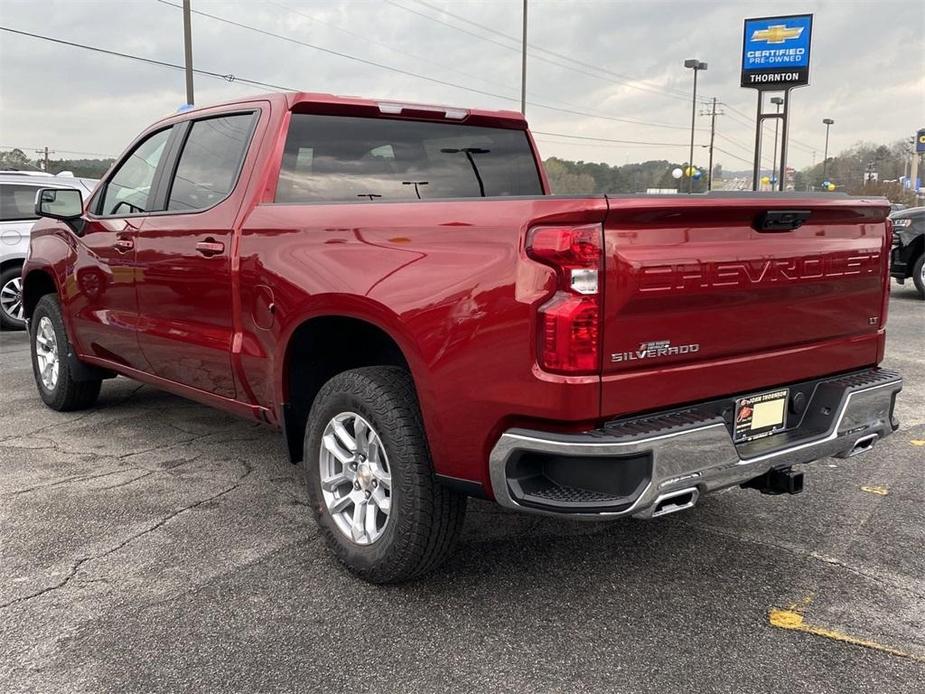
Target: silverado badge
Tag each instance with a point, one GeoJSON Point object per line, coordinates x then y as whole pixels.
{"type": "Point", "coordinates": [658, 348]}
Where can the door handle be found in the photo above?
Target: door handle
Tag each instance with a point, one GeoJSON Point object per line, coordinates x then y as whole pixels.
{"type": "Point", "coordinates": [123, 245]}
{"type": "Point", "coordinates": [210, 247]}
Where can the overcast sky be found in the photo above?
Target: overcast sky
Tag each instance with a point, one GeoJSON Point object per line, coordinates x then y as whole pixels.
{"type": "Point", "coordinates": [868, 68]}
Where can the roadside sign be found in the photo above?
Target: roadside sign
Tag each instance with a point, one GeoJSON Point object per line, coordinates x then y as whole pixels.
{"type": "Point", "coordinates": [920, 141]}
{"type": "Point", "coordinates": [775, 52]}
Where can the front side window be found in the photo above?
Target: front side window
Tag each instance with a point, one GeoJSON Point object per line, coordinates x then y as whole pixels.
{"type": "Point", "coordinates": [128, 190]}
{"type": "Point", "coordinates": [17, 202]}
{"type": "Point", "coordinates": [332, 158]}
{"type": "Point", "coordinates": [210, 161]}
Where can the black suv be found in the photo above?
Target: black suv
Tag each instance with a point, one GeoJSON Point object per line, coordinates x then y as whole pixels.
{"type": "Point", "coordinates": [908, 258]}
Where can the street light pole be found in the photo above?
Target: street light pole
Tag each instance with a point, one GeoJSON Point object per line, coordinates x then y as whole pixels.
{"type": "Point", "coordinates": [696, 66]}
{"type": "Point", "coordinates": [523, 66]}
{"type": "Point", "coordinates": [188, 51]}
{"type": "Point", "coordinates": [825, 157]}
{"type": "Point", "coordinates": [777, 101]}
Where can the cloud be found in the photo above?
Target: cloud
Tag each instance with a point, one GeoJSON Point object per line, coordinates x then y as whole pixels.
{"type": "Point", "coordinates": [867, 70]}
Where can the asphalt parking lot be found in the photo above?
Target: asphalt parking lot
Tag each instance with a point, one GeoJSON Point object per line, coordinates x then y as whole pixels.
{"type": "Point", "coordinates": [154, 544]}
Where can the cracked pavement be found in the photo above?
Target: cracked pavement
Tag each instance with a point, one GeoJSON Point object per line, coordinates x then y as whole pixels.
{"type": "Point", "coordinates": [152, 544]}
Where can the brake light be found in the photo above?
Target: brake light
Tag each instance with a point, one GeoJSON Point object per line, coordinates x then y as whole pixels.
{"type": "Point", "coordinates": [569, 322]}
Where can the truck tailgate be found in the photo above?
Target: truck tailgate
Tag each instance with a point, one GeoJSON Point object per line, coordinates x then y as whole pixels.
{"type": "Point", "coordinates": [702, 301]}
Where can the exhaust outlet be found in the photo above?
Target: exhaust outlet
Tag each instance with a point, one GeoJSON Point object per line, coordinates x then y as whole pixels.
{"type": "Point", "coordinates": [862, 445]}
{"type": "Point", "coordinates": [671, 502]}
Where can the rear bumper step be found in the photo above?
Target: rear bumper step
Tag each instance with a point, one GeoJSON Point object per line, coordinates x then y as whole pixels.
{"type": "Point", "coordinates": [659, 464]}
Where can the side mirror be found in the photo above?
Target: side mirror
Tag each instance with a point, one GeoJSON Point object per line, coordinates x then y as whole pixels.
{"type": "Point", "coordinates": [64, 204]}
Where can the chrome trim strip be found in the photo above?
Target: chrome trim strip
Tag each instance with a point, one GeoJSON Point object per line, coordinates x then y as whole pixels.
{"type": "Point", "coordinates": [832, 436]}
{"type": "Point", "coordinates": [704, 458]}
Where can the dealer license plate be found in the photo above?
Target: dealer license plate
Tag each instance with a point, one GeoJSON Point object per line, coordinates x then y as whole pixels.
{"type": "Point", "coordinates": [760, 415]}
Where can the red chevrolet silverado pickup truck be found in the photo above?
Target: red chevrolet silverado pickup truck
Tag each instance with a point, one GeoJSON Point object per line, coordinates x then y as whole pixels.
{"type": "Point", "coordinates": [394, 287]}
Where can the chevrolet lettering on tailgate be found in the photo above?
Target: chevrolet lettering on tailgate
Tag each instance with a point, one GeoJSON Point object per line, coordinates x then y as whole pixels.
{"type": "Point", "coordinates": [747, 273]}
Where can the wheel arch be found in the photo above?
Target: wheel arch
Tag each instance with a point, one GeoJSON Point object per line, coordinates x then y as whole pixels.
{"type": "Point", "coordinates": [327, 342]}
{"type": "Point", "coordinates": [917, 250]}
{"type": "Point", "coordinates": [8, 263]}
{"type": "Point", "coordinates": [37, 282]}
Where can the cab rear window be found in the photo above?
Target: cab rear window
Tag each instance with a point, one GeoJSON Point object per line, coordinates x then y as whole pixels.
{"type": "Point", "coordinates": [347, 159]}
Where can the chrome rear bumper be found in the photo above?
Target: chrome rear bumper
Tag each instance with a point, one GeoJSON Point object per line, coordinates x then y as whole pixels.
{"type": "Point", "coordinates": [669, 460]}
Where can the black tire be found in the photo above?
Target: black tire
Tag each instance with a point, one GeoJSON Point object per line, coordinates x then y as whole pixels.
{"type": "Point", "coordinates": [66, 394]}
{"type": "Point", "coordinates": [425, 517]}
{"type": "Point", "coordinates": [917, 277]}
{"type": "Point", "coordinates": [7, 280]}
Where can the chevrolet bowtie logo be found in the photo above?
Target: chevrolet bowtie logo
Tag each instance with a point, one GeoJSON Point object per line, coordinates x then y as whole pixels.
{"type": "Point", "coordinates": [779, 33]}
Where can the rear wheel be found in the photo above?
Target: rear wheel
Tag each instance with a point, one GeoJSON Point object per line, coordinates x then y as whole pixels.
{"type": "Point", "coordinates": [11, 308]}
{"type": "Point", "coordinates": [50, 348]}
{"type": "Point", "coordinates": [918, 275]}
{"type": "Point", "coordinates": [369, 477]}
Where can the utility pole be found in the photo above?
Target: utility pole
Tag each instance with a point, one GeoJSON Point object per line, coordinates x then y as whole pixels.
{"type": "Point", "coordinates": [713, 113]}
{"type": "Point", "coordinates": [523, 66]}
{"type": "Point", "coordinates": [44, 152]}
{"type": "Point", "coordinates": [828, 122]}
{"type": "Point", "coordinates": [188, 50]}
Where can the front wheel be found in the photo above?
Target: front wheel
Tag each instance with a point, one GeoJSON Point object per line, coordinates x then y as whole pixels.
{"type": "Point", "coordinates": [918, 275]}
{"type": "Point", "coordinates": [369, 477]}
{"type": "Point", "coordinates": [50, 348]}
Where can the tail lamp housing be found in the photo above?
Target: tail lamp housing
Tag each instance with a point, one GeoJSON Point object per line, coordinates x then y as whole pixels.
{"type": "Point", "coordinates": [569, 322]}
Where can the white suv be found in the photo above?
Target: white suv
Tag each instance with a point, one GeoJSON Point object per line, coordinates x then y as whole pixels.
{"type": "Point", "coordinates": [17, 215]}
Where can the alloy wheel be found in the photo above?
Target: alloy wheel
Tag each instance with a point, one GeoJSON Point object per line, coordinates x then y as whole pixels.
{"type": "Point", "coordinates": [356, 481]}
{"type": "Point", "coordinates": [11, 298]}
{"type": "Point", "coordinates": [46, 353]}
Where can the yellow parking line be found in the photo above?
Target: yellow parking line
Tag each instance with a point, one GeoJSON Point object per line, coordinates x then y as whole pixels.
{"type": "Point", "coordinates": [880, 491]}
{"type": "Point", "coordinates": [918, 442]}
{"type": "Point", "coordinates": [793, 620]}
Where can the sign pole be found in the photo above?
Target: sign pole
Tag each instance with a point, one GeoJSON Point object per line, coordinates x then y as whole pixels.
{"type": "Point", "coordinates": [756, 167]}
{"type": "Point", "coordinates": [783, 141]}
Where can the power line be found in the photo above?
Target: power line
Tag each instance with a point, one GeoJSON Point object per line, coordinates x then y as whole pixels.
{"type": "Point", "coordinates": [628, 80]}
{"type": "Point", "coordinates": [339, 54]}
{"type": "Point", "coordinates": [733, 141]}
{"type": "Point", "coordinates": [417, 75]}
{"type": "Point", "coordinates": [367, 40]}
{"type": "Point", "coordinates": [790, 139]}
{"type": "Point", "coordinates": [233, 78]}
{"type": "Point", "coordinates": [417, 57]}
{"type": "Point", "coordinates": [60, 151]}
{"type": "Point", "coordinates": [610, 139]}
{"type": "Point", "coordinates": [730, 154]}
{"type": "Point", "coordinates": [150, 61]}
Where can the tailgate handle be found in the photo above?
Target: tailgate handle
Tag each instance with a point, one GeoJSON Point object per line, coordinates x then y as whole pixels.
{"type": "Point", "coordinates": [781, 220]}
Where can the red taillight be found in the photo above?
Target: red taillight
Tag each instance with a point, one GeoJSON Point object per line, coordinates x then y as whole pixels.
{"type": "Point", "coordinates": [569, 323]}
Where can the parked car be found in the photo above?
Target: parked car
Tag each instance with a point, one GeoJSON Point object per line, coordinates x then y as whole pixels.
{"type": "Point", "coordinates": [908, 256]}
{"type": "Point", "coordinates": [17, 215]}
{"type": "Point", "coordinates": [393, 287]}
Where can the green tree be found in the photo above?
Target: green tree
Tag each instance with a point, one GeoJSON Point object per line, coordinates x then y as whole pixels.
{"type": "Point", "coordinates": [564, 180]}
{"type": "Point", "coordinates": [16, 160]}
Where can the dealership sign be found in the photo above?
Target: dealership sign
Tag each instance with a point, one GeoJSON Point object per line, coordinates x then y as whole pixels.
{"type": "Point", "coordinates": [775, 52]}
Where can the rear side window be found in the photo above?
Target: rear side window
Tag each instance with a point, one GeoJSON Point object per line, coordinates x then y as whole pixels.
{"type": "Point", "coordinates": [17, 202]}
{"type": "Point", "coordinates": [129, 188]}
{"type": "Point", "coordinates": [332, 158]}
{"type": "Point", "coordinates": [210, 162]}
